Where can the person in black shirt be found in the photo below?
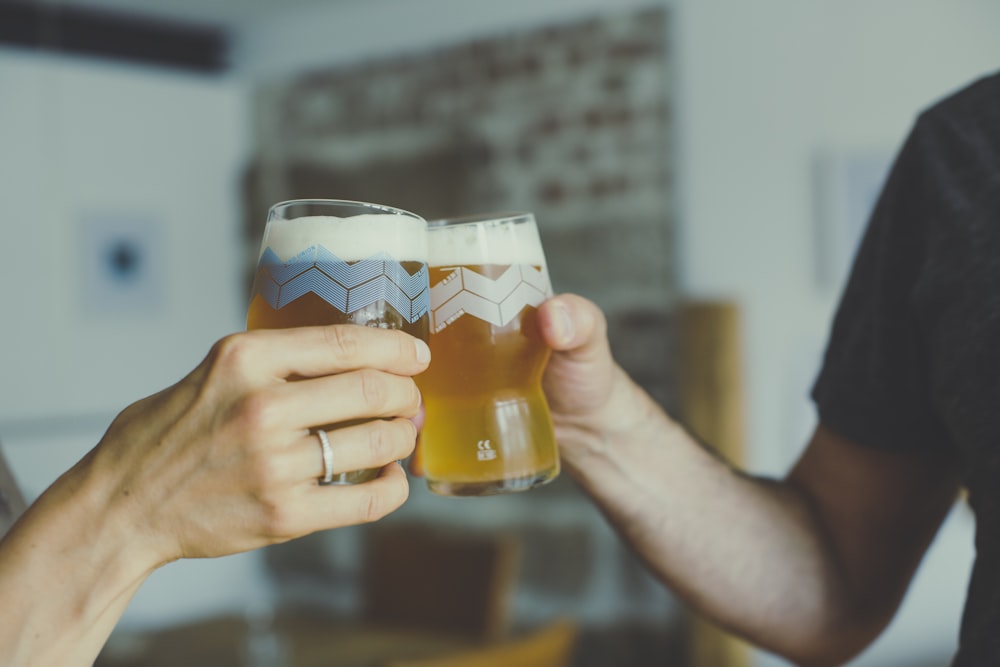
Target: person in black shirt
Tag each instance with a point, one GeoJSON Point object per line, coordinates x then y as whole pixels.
{"type": "Point", "coordinates": [813, 566]}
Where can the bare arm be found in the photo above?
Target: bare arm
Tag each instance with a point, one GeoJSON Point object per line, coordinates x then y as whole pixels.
{"type": "Point", "coordinates": [222, 462]}
{"type": "Point", "coordinates": [67, 571]}
{"type": "Point", "coordinates": [811, 567]}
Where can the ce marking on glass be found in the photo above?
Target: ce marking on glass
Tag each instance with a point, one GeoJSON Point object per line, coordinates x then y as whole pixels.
{"type": "Point", "coordinates": [485, 451]}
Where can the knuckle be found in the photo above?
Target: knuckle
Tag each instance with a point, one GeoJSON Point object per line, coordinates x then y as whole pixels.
{"type": "Point", "coordinates": [257, 413]}
{"type": "Point", "coordinates": [406, 347]}
{"type": "Point", "coordinates": [233, 352]}
{"type": "Point", "coordinates": [372, 508]}
{"type": "Point", "coordinates": [390, 440]}
{"type": "Point", "coordinates": [408, 435]}
{"type": "Point", "coordinates": [343, 340]}
{"type": "Point", "coordinates": [384, 498]}
{"type": "Point", "coordinates": [380, 442]}
{"type": "Point", "coordinates": [374, 389]}
{"type": "Point", "coordinates": [276, 520]}
{"type": "Point", "coordinates": [409, 429]}
{"type": "Point", "coordinates": [415, 398]}
{"type": "Point", "coordinates": [264, 474]}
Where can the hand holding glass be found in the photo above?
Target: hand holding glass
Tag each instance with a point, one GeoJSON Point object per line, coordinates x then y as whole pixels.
{"type": "Point", "coordinates": [336, 262]}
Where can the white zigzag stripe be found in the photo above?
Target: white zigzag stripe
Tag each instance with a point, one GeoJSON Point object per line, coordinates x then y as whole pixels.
{"type": "Point", "coordinates": [465, 292]}
{"type": "Point", "coordinates": [494, 290]}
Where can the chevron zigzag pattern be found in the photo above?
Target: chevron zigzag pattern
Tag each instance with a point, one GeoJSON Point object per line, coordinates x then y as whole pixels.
{"type": "Point", "coordinates": [346, 287]}
{"type": "Point", "coordinates": [465, 292]}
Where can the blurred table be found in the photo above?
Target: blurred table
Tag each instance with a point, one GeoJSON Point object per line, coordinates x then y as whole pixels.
{"type": "Point", "coordinates": [304, 640]}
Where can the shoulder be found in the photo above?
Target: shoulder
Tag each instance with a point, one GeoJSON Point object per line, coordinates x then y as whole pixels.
{"type": "Point", "coordinates": [969, 117]}
{"type": "Point", "coordinates": [976, 98]}
{"type": "Point", "coordinates": [955, 143]}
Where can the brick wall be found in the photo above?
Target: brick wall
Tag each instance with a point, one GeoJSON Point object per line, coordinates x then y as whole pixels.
{"type": "Point", "coordinates": [572, 122]}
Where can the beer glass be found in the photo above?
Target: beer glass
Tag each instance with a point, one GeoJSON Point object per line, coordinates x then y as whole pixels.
{"type": "Point", "coordinates": [487, 428]}
{"type": "Point", "coordinates": [325, 261]}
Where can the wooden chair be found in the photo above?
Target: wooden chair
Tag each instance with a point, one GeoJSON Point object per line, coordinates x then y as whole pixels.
{"type": "Point", "coordinates": [550, 646]}
{"type": "Point", "coordinates": [420, 577]}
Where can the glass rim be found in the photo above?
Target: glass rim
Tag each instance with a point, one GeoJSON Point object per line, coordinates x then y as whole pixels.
{"type": "Point", "coordinates": [394, 210]}
{"type": "Point", "coordinates": [490, 219]}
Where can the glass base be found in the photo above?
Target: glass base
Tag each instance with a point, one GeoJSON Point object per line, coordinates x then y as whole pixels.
{"type": "Point", "coordinates": [492, 487]}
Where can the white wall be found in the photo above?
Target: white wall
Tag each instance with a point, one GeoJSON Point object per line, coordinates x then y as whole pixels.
{"type": "Point", "coordinates": [88, 145]}
{"type": "Point", "coordinates": [765, 89]}
{"type": "Point", "coordinates": [768, 87]}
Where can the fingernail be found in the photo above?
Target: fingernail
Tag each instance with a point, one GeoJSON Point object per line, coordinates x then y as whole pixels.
{"type": "Point", "coordinates": [423, 352]}
{"type": "Point", "coordinates": [562, 323]}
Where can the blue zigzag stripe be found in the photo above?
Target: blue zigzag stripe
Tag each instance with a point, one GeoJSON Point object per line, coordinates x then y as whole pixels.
{"type": "Point", "coordinates": [282, 272]}
{"type": "Point", "coordinates": [411, 285]}
{"type": "Point", "coordinates": [351, 275]}
{"type": "Point", "coordinates": [269, 290]}
{"type": "Point", "coordinates": [314, 281]}
{"type": "Point", "coordinates": [420, 305]}
{"type": "Point", "coordinates": [346, 287]}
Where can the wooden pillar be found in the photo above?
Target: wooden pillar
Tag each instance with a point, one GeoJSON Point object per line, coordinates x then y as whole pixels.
{"type": "Point", "coordinates": [711, 404]}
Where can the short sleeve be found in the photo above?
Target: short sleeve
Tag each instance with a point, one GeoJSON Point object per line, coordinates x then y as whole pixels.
{"type": "Point", "coordinates": [873, 385]}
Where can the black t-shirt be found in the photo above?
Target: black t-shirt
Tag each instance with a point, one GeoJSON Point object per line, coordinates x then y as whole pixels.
{"type": "Point", "coordinates": [913, 362]}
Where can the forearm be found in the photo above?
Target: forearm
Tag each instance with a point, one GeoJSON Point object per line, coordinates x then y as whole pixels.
{"type": "Point", "coordinates": [744, 551]}
{"type": "Point", "coordinates": [68, 569]}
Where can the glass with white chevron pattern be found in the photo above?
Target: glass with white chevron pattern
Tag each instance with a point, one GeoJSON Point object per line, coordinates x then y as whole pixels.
{"type": "Point", "coordinates": [342, 262]}
{"type": "Point", "coordinates": [487, 427]}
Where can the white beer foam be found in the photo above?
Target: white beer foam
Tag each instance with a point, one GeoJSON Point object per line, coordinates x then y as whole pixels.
{"type": "Point", "coordinates": [485, 243]}
{"type": "Point", "coordinates": [351, 239]}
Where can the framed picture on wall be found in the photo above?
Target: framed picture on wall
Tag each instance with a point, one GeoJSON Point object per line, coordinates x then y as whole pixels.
{"type": "Point", "coordinates": [847, 187]}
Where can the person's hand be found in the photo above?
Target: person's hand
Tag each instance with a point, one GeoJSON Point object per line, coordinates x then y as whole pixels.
{"type": "Point", "coordinates": [580, 376]}
{"type": "Point", "coordinates": [224, 461]}
{"type": "Point", "coordinates": [588, 393]}
{"type": "Point", "coordinates": [227, 460]}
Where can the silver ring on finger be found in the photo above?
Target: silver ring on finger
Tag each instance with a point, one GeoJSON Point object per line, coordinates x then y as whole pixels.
{"type": "Point", "coordinates": [324, 442]}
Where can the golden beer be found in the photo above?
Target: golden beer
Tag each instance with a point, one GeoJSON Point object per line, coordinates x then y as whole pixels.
{"type": "Point", "coordinates": [487, 427]}
{"type": "Point", "coordinates": [333, 262]}
{"type": "Point", "coordinates": [312, 310]}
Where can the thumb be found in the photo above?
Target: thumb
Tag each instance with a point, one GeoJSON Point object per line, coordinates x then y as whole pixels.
{"type": "Point", "coordinates": [577, 379]}
{"type": "Point", "coordinates": [574, 328]}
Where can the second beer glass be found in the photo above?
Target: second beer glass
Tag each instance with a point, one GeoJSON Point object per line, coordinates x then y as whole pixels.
{"type": "Point", "coordinates": [487, 427]}
{"type": "Point", "coordinates": [336, 262]}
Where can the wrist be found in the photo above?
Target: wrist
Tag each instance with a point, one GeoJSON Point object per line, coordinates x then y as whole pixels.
{"type": "Point", "coordinates": [627, 415]}
{"type": "Point", "coordinates": [86, 530]}
{"type": "Point", "coordinates": [114, 515]}
{"type": "Point", "coordinates": [72, 564]}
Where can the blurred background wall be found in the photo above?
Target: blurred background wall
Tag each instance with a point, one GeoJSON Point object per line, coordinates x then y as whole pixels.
{"type": "Point", "coordinates": [118, 184]}
{"type": "Point", "coordinates": [781, 115]}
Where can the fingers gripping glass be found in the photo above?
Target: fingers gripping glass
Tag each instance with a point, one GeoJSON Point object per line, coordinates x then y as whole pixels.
{"type": "Point", "coordinates": [325, 261]}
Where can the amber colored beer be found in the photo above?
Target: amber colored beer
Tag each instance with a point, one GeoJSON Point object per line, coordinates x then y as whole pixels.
{"type": "Point", "coordinates": [311, 310]}
{"type": "Point", "coordinates": [324, 269]}
{"type": "Point", "coordinates": [487, 427]}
